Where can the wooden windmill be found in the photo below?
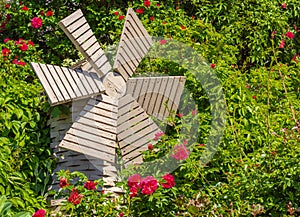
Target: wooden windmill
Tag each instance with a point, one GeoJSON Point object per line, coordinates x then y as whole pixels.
{"type": "Point", "coordinates": [110, 108]}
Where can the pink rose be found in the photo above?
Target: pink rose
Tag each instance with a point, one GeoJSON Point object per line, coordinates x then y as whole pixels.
{"type": "Point", "coordinates": [180, 152]}
{"type": "Point", "coordinates": [36, 22]}
{"type": "Point", "coordinates": [290, 35]}
{"type": "Point", "coordinates": [39, 213]}
{"type": "Point", "coordinates": [149, 185]}
{"type": "Point", "coordinates": [169, 181]}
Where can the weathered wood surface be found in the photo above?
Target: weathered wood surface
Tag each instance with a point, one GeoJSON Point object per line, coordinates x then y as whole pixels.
{"type": "Point", "coordinates": [134, 44]}
{"type": "Point", "coordinates": [153, 92]}
{"type": "Point", "coordinates": [135, 130]}
{"type": "Point", "coordinates": [79, 32]}
{"type": "Point", "coordinates": [92, 167]}
{"type": "Point", "coordinates": [63, 85]}
{"type": "Point", "coordinates": [94, 130]}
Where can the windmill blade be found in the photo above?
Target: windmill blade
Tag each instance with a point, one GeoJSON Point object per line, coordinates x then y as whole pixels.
{"type": "Point", "coordinates": [153, 92]}
{"type": "Point", "coordinates": [135, 129]}
{"type": "Point", "coordinates": [79, 32]}
{"type": "Point", "coordinates": [64, 85]}
{"type": "Point", "coordinates": [94, 131]}
{"type": "Point", "coordinates": [135, 43]}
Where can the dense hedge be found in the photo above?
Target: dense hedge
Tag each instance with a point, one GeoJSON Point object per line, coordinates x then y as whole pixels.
{"type": "Point", "coordinates": [253, 47]}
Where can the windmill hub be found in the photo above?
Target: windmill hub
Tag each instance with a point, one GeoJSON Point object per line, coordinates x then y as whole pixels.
{"type": "Point", "coordinates": [114, 84]}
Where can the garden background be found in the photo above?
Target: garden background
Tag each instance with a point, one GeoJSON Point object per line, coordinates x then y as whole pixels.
{"type": "Point", "coordinates": [252, 46]}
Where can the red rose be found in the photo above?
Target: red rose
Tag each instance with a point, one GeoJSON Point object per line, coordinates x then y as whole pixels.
{"type": "Point", "coordinates": [180, 152]}
{"type": "Point", "coordinates": [133, 191]}
{"type": "Point", "coordinates": [182, 27]}
{"type": "Point", "coordinates": [140, 10]}
{"type": "Point", "coordinates": [164, 22]}
{"type": "Point", "coordinates": [6, 40]}
{"type": "Point", "coordinates": [201, 145]}
{"type": "Point", "coordinates": [30, 43]}
{"type": "Point", "coordinates": [290, 35]}
{"type": "Point", "coordinates": [213, 65]}
{"type": "Point", "coordinates": [7, 6]}
{"type": "Point", "coordinates": [283, 6]}
{"type": "Point", "coordinates": [121, 214]}
{"type": "Point", "coordinates": [24, 47]}
{"type": "Point", "coordinates": [63, 182]}
{"type": "Point", "coordinates": [282, 44]}
{"type": "Point", "coordinates": [149, 185]}
{"type": "Point", "coordinates": [5, 52]}
{"type": "Point", "coordinates": [254, 97]}
{"type": "Point", "coordinates": [36, 22]}
{"type": "Point", "coordinates": [162, 42]}
{"type": "Point", "coordinates": [90, 185]}
{"type": "Point", "coordinates": [134, 180]}
{"type": "Point", "coordinates": [295, 57]}
{"type": "Point", "coordinates": [24, 8]}
{"type": "Point", "coordinates": [39, 213]}
{"type": "Point", "coordinates": [150, 147]}
{"type": "Point", "coordinates": [21, 63]}
{"type": "Point", "coordinates": [169, 181]}
{"type": "Point", "coordinates": [151, 18]}
{"type": "Point", "coordinates": [158, 5]}
{"type": "Point", "coordinates": [180, 115]}
{"type": "Point", "coordinates": [121, 17]}
{"type": "Point", "coordinates": [116, 13]}
{"type": "Point", "coordinates": [42, 13]}
{"type": "Point", "coordinates": [49, 13]}
{"type": "Point", "coordinates": [194, 112]}
{"type": "Point", "coordinates": [147, 3]}
{"type": "Point", "coordinates": [75, 198]}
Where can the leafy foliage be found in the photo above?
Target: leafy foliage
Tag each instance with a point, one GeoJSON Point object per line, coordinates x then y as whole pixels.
{"type": "Point", "coordinates": [255, 170]}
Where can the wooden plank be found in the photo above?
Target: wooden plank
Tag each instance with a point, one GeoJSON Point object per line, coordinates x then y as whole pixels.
{"type": "Point", "coordinates": [129, 52]}
{"type": "Point", "coordinates": [100, 110]}
{"type": "Point", "coordinates": [52, 82]}
{"type": "Point", "coordinates": [72, 78]}
{"type": "Point", "coordinates": [129, 114]}
{"type": "Point", "coordinates": [126, 104]}
{"type": "Point", "coordinates": [66, 82]}
{"type": "Point", "coordinates": [154, 96]}
{"type": "Point", "coordinates": [103, 126]}
{"type": "Point", "coordinates": [97, 81]}
{"type": "Point", "coordinates": [144, 132]}
{"type": "Point", "coordinates": [57, 78]}
{"type": "Point", "coordinates": [92, 50]}
{"type": "Point", "coordinates": [135, 127]}
{"type": "Point", "coordinates": [143, 141]}
{"type": "Point", "coordinates": [164, 109]}
{"type": "Point", "coordinates": [140, 40]}
{"type": "Point", "coordinates": [130, 85]}
{"type": "Point", "coordinates": [87, 150]}
{"type": "Point", "coordinates": [79, 84]}
{"type": "Point", "coordinates": [144, 91]}
{"type": "Point", "coordinates": [83, 38]}
{"type": "Point", "coordinates": [71, 18]}
{"type": "Point", "coordinates": [86, 45]}
{"type": "Point", "coordinates": [76, 25]}
{"type": "Point", "coordinates": [81, 30]}
{"type": "Point", "coordinates": [148, 95]}
{"type": "Point", "coordinates": [136, 119]}
{"type": "Point", "coordinates": [138, 88]}
{"type": "Point", "coordinates": [98, 145]}
{"type": "Point", "coordinates": [179, 90]}
{"type": "Point", "coordinates": [173, 93]}
{"type": "Point", "coordinates": [159, 104]}
{"type": "Point", "coordinates": [91, 83]}
{"type": "Point", "coordinates": [89, 137]}
{"type": "Point", "coordinates": [48, 89]}
{"type": "Point", "coordinates": [80, 33]}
